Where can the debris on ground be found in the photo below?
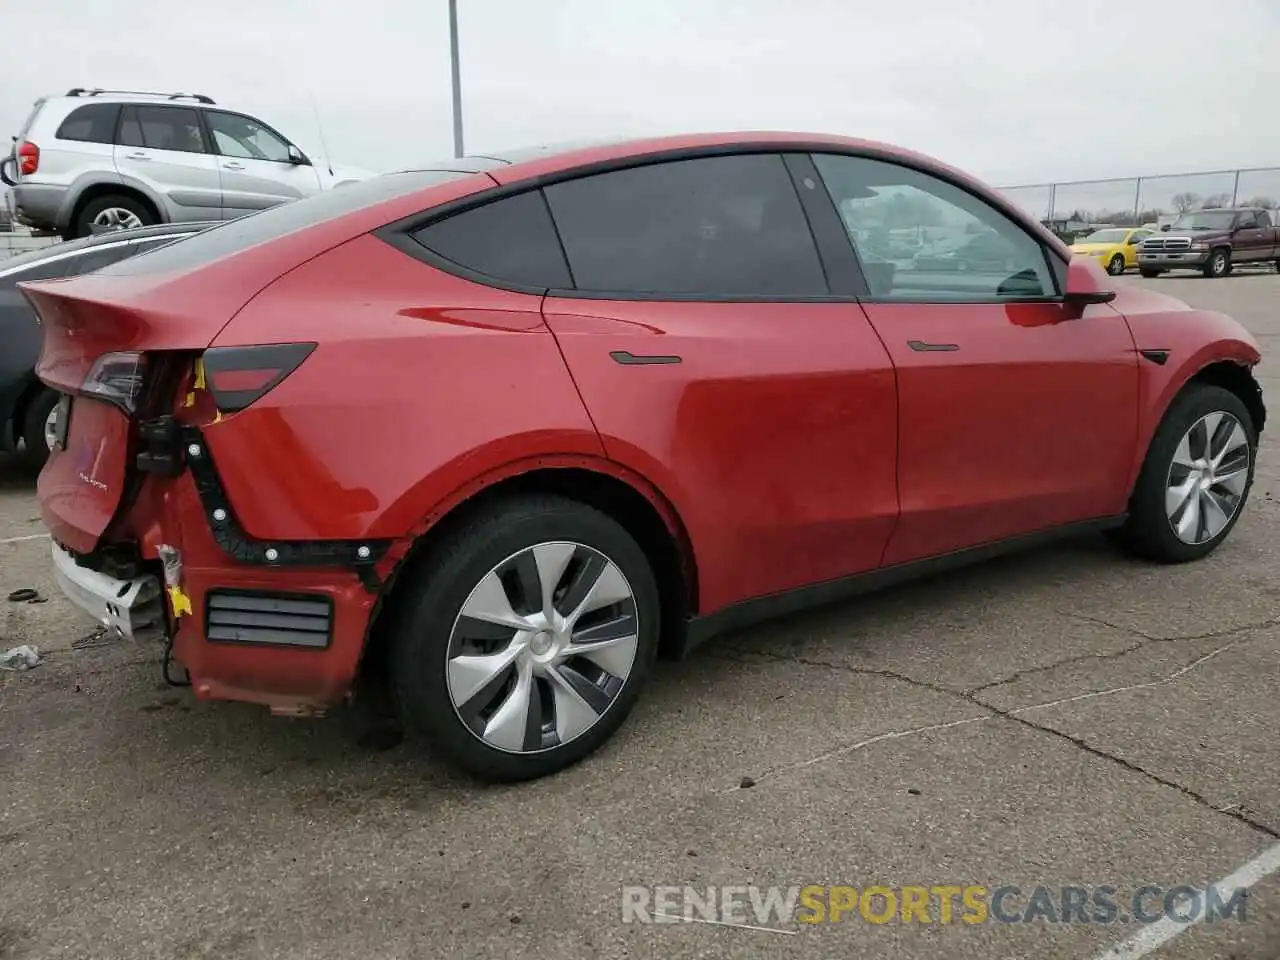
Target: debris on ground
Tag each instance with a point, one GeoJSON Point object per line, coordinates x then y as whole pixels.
{"type": "Point", "coordinates": [24, 595]}
{"type": "Point", "coordinates": [20, 658]}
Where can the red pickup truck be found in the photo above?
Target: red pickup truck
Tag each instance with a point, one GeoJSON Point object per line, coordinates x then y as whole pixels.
{"type": "Point", "coordinates": [1211, 241]}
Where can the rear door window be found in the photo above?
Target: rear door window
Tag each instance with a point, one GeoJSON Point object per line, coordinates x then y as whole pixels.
{"type": "Point", "coordinates": [511, 240]}
{"type": "Point", "coordinates": [92, 123]}
{"type": "Point", "coordinates": [728, 227]}
{"type": "Point", "coordinates": [162, 128]}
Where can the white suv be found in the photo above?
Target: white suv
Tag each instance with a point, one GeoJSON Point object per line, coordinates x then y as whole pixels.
{"type": "Point", "coordinates": [108, 159]}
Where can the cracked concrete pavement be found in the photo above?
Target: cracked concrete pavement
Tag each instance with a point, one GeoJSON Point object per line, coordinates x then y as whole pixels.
{"type": "Point", "coordinates": [1066, 716]}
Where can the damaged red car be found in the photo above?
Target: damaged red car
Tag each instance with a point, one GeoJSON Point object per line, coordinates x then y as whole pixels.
{"type": "Point", "coordinates": [514, 426]}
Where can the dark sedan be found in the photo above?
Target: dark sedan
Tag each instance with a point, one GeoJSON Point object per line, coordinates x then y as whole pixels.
{"type": "Point", "coordinates": [28, 409]}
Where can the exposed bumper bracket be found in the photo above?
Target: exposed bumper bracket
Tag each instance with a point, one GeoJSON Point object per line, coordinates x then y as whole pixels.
{"type": "Point", "coordinates": [132, 609]}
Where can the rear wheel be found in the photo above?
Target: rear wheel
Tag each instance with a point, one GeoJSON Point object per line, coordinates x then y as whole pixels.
{"type": "Point", "coordinates": [1116, 266]}
{"type": "Point", "coordinates": [1195, 479]}
{"type": "Point", "coordinates": [524, 641]}
{"type": "Point", "coordinates": [1149, 273]}
{"type": "Point", "coordinates": [112, 212]}
{"type": "Point", "coordinates": [1218, 264]}
{"type": "Point", "coordinates": [38, 426]}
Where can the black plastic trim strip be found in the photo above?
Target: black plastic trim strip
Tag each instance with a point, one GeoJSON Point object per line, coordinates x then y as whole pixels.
{"type": "Point", "coordinates": [1159, 357]}
{"type": "Point", "coordinates": [919, 346]}
{"type": "Point", "coordinates": [761, 609]}
{"type": "Point", "coordinates": [357, 555]}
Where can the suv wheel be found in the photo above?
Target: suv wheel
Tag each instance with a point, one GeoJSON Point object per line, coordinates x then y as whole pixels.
{"type": "Point", "coordinates": [523, 640]}
{"type": "Point", "coordinates": [112, 212]}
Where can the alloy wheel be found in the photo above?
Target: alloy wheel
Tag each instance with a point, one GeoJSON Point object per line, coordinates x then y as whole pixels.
{"type": "Point", "coordinates": [1207, 478]}
{"type": "Point", "coordinates": [51, 429]}
{"type": "Point", "coordinates": [117, 218]}
{"type": "Point", "coordinates": [1116, 266]}
{"type": "Point", "coordinates": [542, 647]}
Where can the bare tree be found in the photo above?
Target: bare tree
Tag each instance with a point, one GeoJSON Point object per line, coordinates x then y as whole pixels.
{"type": "Point", "coordinates": [1216, 202]}
{"type": "Point", "coordinates": [1183, 202]}
{"type": "Point", "coordinates": [1265, 203]}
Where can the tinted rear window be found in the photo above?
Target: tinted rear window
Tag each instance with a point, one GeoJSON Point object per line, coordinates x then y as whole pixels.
{"type": "Point", "coordinates": [510, 240]}
{"type": "Point", "coordinates": [92, 123]}
{"type": "Point", "coordinates": [727, 226]}
{"type": "Point", "coordinates": [238, 235]}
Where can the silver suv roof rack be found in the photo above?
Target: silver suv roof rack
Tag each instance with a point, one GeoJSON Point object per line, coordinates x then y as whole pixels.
{"type": "Point", "coordinates": [94, 91]}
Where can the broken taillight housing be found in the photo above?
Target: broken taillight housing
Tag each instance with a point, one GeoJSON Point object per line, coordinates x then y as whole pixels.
{"type": "Point", "coordinates": [239, 376]}
{"type": "Point", "coordinates": [118, 379]}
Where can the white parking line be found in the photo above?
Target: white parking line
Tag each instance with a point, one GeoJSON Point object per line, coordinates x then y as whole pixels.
{"type": "Point", "coordinates": [34, 536]}
{"type": "Point", "coordinates": [1162, 931]}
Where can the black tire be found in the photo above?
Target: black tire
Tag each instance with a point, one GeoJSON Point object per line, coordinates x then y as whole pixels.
{"type": "Point", "coordinates": [1219, 263]}
{"type": "Point", "coordinates": [439, 584]}
{"type": "Point", "coordinates": [1148, 532]}
{"type": "Point", "coordinates": [33, 421]}
{"type": "Point", "coordinates": [1116, 266]}
{"type": "Point", "coordinates": [1148, 273]}
{"type": "Point", "coordinates": [90, 211]}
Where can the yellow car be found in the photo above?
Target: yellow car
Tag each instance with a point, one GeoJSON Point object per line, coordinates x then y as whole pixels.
{"type": "Point", "coordinates": [1116, 247]}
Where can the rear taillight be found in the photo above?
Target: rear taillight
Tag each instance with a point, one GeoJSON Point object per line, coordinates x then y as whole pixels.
{"type": "Point", "coordinates": [239, 376]}
{"type": "Point", "coordinates": [117, 378]}
{"type": "Point", "coordinates": [28, 158]}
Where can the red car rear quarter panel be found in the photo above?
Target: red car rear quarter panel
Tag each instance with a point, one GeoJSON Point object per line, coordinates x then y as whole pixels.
{"type": "Point", "coordinates": [1194, 339]}
{"type": "Point", "coordinates": [421, 382]}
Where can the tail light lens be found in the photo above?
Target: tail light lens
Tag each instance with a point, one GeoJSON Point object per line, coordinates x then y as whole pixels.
{"type": "Point", "coordinates": [239, 376]}
{"type": "Point", "coordinates": [28, 158]}
{"type": "Point", "coordinates": [117, 378]}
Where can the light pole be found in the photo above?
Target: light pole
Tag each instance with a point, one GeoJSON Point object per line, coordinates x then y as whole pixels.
{"type": "Point", "coordinates": [457, 78]}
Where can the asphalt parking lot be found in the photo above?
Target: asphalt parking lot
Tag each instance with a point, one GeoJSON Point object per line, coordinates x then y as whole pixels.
{"type": "Point", "coordinates": [1065, 717]}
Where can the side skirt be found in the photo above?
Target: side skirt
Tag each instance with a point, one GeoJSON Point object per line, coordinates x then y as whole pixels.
{"type": "Point", "coordinates": [698, 630]}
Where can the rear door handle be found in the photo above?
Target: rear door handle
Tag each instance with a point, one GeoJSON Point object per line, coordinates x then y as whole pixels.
{"type": "Point", "coordinates": [234, 166]}
{"type": "Point", "coordinates": [137, 156]}
{"type": "Point", "coordinates": [919, 346]}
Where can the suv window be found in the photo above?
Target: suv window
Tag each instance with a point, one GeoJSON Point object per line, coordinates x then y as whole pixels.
{"type": "Point", "coordinates": [511, 239]}
{"type": "Point", "coordinates": [162, 128]}
{"type": "Point", "coordinates": [237, 136]}
{"type": "Point", "coordinates": [1264, 219]}
{"type": "Point", "coordinates": [923, 239]}
{"type": "Point", "coordinates": [93, 123]}
{"type": "Point", "coordinates": [727, 226]}
{"type": "Point", "coordinates": [1247, 220]}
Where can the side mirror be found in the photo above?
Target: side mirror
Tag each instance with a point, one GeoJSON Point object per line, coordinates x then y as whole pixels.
{"type": "Point", "coordinates": [1087, 283]}
{"type": "Point", "coordinates": [297, 157]}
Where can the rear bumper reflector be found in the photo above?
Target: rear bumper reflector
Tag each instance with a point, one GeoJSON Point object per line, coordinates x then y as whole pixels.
{"type": "Point", "coordinates": [269, 619]}
{"type": "Point", "coordinates": [132, 608]}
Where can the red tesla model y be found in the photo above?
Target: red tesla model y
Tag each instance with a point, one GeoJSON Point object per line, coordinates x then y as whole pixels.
{"type": "Point", "coordinates": [515, 425]}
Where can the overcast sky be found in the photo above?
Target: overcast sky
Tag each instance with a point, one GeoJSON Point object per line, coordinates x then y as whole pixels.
{"type": "Point", "coordinates": [1015, 91]}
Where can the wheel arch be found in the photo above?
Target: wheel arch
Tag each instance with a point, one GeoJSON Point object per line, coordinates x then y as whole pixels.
{"type": "Point", "coordinates": [106, 189]}
{"type": "Point", "coordinates": [627, 497]}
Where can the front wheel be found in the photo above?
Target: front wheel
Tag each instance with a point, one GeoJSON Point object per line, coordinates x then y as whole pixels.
{"type": "Point", "coordinates": [1218, 264]}
{"type": "Point", "coordinates": [525, 637]}
{"type": "Point", "coordinates": [1116, 266]}
{"type": "Point", "coordinates": [1195, 478]}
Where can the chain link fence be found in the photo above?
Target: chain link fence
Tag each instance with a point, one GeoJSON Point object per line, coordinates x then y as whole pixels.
{"type": "Point", "coordinates": [1076, 205]}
